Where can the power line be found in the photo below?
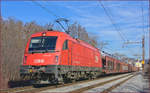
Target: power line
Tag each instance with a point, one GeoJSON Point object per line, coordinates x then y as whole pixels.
{"type": "Point", "coordinates": [110, 13]}
{"type": "Point", "coordinates": [58, 19]}
{"type": "Point", "coordinates": [44, 8]}
{"type": "Point", "coordinates": [113, 23]}
{"type": "Point", "coordinates": [142, 20]}
{"type": "Point", "coordinates": [142, 16]}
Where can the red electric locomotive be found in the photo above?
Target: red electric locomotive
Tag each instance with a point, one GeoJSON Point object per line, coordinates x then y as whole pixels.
{"type": "Point", "coordinates": [53, 56]}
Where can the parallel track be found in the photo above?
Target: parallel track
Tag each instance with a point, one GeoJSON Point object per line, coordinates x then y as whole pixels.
{"type": "Point", "coordinates": [101, 84]}
{"type": "Point", "coordinates": [116, 85]}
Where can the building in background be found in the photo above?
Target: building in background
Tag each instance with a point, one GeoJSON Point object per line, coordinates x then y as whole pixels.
{"type": "Point", "coordinates": [138, 64]}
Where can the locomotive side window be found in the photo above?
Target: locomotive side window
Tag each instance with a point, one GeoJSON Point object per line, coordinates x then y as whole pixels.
{"type": "Point", "coordinates": [65, 45]}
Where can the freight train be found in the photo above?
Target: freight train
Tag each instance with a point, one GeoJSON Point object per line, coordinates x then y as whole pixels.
{"type": "Point", "coordinates": [55, 57]}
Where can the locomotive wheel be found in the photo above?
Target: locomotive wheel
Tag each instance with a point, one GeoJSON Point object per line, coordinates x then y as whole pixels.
{"type": "Point", "coordinates": [37, 85]}
{"type": "Point", "coordinates": [89, 77]}
{"type": "Point", "coordinates": [73, 81]}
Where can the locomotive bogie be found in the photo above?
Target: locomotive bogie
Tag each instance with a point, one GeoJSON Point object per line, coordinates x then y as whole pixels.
{"type": "Point", "coordinates": [59, 73]}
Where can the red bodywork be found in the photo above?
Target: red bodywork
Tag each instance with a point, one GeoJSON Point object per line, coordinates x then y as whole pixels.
{"type": "Point", "coordinates": [78, 53]}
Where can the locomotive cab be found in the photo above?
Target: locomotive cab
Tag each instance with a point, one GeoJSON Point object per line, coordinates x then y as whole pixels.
{"type": "Point", "coordinates": [41, 51]}
{"type": "Point", "coordinates": [42, 56]}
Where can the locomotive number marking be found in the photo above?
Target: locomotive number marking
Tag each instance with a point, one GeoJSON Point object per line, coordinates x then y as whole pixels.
{"type": "Point", "coordinates": [39, 61]}
{"type": "Point", "coordinates": [46, 55]}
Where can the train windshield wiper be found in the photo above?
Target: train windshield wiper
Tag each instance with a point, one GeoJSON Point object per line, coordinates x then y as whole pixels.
{"type": "Point", "coordinates": [36, 51]}
{"type": "Point", "coordinates": [49, 51]}
{"type": "Point", "coordinates": [42, 51]}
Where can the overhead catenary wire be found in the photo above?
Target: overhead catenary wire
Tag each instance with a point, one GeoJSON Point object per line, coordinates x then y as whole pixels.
{"type": "Point", "coordinates": [142, 14]}
{"type": "Point", "coordinates": [115, 26]}
{"type": "Point", "coordinates": [50, 5]}
{"type": "Point", "coordinates": [112, 21]}
{"type": "Point", "coordinates": [111, 15]}
{"type": "Point", "coordinates": [142, 20]}
{"type": "Point", "coordinates": [53, 14]}
{"type": "Point", "coordinates": [44, 8]}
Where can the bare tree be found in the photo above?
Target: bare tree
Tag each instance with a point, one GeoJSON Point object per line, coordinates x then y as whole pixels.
{"type": "Point", "coordinates": [102, 44]}
{"type": "Point", "coordinates": [14, 35]}
{"type": "Point", "coordinates": [77, 31]}
{"type": "Point", "coordinates": [73, 30]}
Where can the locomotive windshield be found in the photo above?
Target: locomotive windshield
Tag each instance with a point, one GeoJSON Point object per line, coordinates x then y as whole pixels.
{"type": "Point", "coordinates": [42, 44]}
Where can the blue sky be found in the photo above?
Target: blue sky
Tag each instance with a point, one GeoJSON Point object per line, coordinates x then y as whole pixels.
{"type": "Point", "coordinates": [127, 16]}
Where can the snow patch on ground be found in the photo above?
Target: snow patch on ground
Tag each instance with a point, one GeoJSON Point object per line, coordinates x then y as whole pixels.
{"type": "Point", "coordinates": [136, 84]}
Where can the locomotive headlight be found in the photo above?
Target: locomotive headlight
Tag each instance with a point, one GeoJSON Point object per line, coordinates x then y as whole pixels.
{"type": "Point", "coordinates": [56, 59]}
{"type": "Point", "coordinates": [44, 34]}
{"type": "Point", "coordinates": [25, 60]}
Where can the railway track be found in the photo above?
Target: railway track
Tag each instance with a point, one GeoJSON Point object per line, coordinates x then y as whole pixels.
{"type": "Point", "coordinates": [88, 85]}
{"type": "Point", "coordinates": [52, 88]}
{"type": "Point", "coordinates": [106, 86]}
{"type": "Point", "coordinates": [11, 90]}
{"type": "Point", "coordinates": [118, 84]}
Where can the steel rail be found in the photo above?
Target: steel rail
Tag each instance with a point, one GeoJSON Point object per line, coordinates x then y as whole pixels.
{"type": "Point", "coordinates": [98, 84]}
{"type": "Point", "coordinates": [116, 85]}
